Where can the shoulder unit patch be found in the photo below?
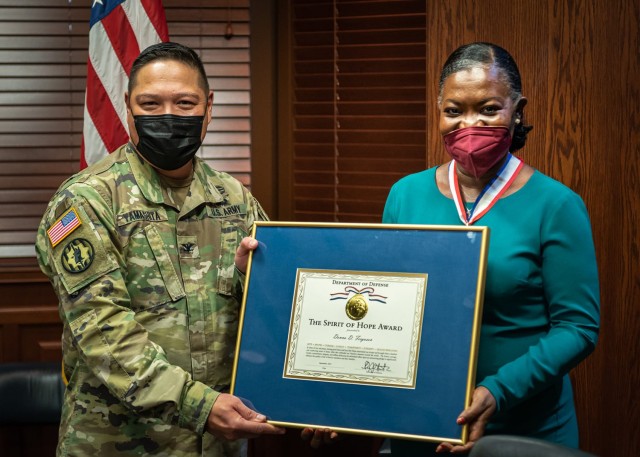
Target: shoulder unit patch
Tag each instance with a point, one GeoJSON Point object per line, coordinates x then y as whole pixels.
{"type": "Point", "coordinates": [77, 256]}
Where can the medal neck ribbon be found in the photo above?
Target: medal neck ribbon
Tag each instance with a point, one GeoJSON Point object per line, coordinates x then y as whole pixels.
{"type": "Point", "coordinates": [491, 192]}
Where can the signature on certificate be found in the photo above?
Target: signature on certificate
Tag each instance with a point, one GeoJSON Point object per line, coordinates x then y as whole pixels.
{"type": "Point", "coordinates": [375, 367]}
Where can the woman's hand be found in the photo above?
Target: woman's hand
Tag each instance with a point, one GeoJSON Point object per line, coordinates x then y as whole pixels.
{"type": "Point", "coordinates": [318, 436]}
{"type": "Point", "coordinates": [482, 407]}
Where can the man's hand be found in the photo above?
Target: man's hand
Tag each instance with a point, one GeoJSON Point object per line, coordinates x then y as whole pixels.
{"type": "Point", "coordinates": [230, 419]}
{"type": "Point", "coordinates": [247, 245]}
{"type": "Point", "coordinates": [482, 407]}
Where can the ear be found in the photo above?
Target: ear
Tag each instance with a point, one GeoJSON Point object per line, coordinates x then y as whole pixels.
{"type": "Point", "coordinates": [130, 124]}
{"type": "Point", "coordinates": [520, 106]}
{"type": "Point", "coordinates": [127, 104]}
{"type": "Point", "coordinates": [209, 110]}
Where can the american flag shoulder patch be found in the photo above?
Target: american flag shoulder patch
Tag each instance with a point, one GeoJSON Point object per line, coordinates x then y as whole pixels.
{"type": "Point", "coordinates": [66, 224]}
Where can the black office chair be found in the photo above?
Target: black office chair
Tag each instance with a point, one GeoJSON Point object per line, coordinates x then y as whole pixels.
{"type": "Point", "coordinates": [518, 446]}
{"type": "Point", "coordinates": [30, 393]}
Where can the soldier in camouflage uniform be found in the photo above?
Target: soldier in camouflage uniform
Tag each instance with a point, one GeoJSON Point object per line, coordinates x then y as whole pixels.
{"type": "Point", "coordinates": [141, 256]}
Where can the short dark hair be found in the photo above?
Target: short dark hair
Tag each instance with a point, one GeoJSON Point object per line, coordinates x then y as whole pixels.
{"type": "Point", "coordinates": [169, 51]}
{"type": "Point", "coordinates": [482, 54]}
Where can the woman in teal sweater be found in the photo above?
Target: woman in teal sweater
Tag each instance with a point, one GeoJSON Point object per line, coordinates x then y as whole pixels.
{"type": "Point", "coordinates": [541, 307]}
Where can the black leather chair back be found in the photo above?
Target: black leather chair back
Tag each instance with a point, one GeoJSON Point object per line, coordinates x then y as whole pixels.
{"type": "Point", "coordinates": [518, 446]}
{"type": "Point", "coordinates": [30, 393]}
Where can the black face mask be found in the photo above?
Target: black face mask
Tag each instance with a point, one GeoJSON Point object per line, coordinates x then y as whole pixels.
{"type": "Point", "coordinates": [168, 141]}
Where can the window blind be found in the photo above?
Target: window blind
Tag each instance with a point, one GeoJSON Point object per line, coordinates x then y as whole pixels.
{"type": "Point", "coordinates": [43, 56]}
{"type": "Point", "coordinates": [358, 104]}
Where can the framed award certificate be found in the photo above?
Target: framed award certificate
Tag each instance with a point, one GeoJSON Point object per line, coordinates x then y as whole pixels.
{"type": "Point", "coordinates": [362, 328]}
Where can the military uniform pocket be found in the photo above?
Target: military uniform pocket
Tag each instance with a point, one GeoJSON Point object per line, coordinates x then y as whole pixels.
{"type": "Point", "coordinates": [230, 237]}
{"type": "Point", "coordinates": [152, 279]}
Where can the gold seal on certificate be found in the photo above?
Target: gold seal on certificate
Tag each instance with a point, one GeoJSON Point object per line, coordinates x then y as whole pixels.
{"type": "Point", "coordinates": [357, 307]}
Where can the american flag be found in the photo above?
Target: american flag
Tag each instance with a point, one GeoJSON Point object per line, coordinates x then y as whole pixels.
{"type": "Point", "coordinates": [119, 30]}
{"type": "Point", "coordinates": [63, 227]}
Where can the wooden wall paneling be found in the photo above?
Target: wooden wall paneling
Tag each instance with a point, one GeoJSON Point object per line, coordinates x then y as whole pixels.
{"type": "Point", "coordinates": [30, 327]}
{"type": "Point", "coordinates": [40, 342]}
{"type": "Point", "coordinates": [21, 342]}
{"type": "Point", "coordinates": [264, 104]}
{"type": "Point", "coordinates": [449, 24]}
{"type": "Point", "coordinates": [579, 64]}
{"type": "Point", "coordinates": [571, 68]}
{"type": "Point", "coordinates": [595, 49]}
{"type": "Point", "coordinates": [10, 335]}
{"type": "Point", "coordinates": [526, 41]}
{"type": "Point", "coordinates": [612, 189]}
{"type": "Point", "coordinates": [623, 55]}
{"type": "Point", "coordinates": [568, 153]}
{"type": "Point", "coordinates": [284, 125]}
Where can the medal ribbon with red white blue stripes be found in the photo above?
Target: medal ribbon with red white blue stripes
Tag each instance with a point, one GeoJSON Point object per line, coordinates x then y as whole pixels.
{"type": "Point", "coordinates": [491, 192]}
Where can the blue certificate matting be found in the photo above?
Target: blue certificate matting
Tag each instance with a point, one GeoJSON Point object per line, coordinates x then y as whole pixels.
{"type": "Point", "coordinates": [454, 259]}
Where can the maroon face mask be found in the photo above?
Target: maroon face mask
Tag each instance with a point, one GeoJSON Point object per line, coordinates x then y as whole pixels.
{"type": "Point", "coordinates": [478, 149]}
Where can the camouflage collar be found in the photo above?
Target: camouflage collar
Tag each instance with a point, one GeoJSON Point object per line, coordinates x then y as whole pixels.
{"type": "Point", "coordinates": [146, 178]}
{"type": "Point", "coordinates": [151, 187]}
{"type": "Point", "coordinates": [212, 194]}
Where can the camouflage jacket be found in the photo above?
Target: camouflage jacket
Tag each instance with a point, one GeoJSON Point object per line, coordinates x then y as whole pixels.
{"type": "Point", "coordinates": [149, 298]}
